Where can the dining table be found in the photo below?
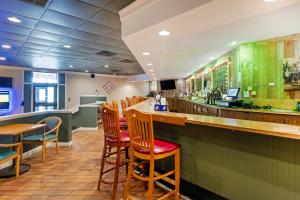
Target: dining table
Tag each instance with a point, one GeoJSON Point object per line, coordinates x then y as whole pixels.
{"type": "Point", "coordinates": [17, 131]}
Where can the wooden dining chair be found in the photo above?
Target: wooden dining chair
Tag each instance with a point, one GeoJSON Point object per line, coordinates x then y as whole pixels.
{"type": "Point", "coordinates": [135, 99]}
{"type": "Point", "coordinates": [124, 106]}
{"type": "Point", "coordinates": [129, 102]}
{"type": "Point", "coordinates": [50, 134]}
{"type": "Point", "coordinates": [147, 149]}
{"type": "Point", "coordinates": [13, 153]}
{"type": "Point", "coordinates": [113, 138]}
{"type": "Point", "coordinates": [140, 99]}
{"type": "Point", "coordinates": [122, 120]}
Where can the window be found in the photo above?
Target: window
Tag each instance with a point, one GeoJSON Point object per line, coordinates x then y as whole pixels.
{"type": "Point", "coordinates": [41, 77]}
{"type": "Point", "coordinates": [153, 86]}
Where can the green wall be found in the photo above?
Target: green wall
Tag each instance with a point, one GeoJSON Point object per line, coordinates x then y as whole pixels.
{"type": "Point", "coordinates": [259, 63]}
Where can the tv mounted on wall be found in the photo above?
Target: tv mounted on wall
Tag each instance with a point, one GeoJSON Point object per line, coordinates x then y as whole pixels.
{"type": "Point", "coordinates": [5, 82]}
{"type": "Point", "coordinates": [167, 85]}
{"type": "Point", "coordinates": [4, 100]}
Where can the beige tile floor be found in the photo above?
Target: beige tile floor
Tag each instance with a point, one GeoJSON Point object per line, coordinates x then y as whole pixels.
{"type": "Point", "coordinates": [72, 174]}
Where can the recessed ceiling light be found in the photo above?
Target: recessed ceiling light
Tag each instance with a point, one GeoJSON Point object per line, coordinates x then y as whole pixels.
{"type": "Point", "coordinates": [5, 46]}
{"type": "Point", "coordinates": [2, 58]}
{"type": "Point", "coordinates": [164, 33]}
{"type": "Point", "coordinates": [67, 46]}
{"type": "Point", "coordinates": [14, 19]}
{"type": "Point", "coordinates": [106, 66]}
{"type": "Point", "coordinates": [86, 71]}
{"type": "Point", "coordinates": [153, 74]}
{"type": "Point", "coordinates": [211, 57]}
{"type": "Point", "coordinates": [269, 0]}
{"type": "Point", "coordinates": [233, 43]}
{"type": "Point", "coordinates": [146, 53]}
{"type": "Point", "coordinates": [149, 64]}
{"type": "Point", "coordinates": [151, 70]}
{"type": "Point", "coordinates": [71, 66]}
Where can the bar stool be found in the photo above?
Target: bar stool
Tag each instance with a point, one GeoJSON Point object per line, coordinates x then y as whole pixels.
{"type": "Point", "coordinates": [144, 147]}
{"type": "Point", "coordinates": [135, 100]}
{"type": "Point", "coordinates": [124, 106]}
{"type": "Point", "coordinates": [129, 102]}
{"type": "Point", "coordinates": [113, 138]}
{"type": "Point", "coordinates": [122, 120]}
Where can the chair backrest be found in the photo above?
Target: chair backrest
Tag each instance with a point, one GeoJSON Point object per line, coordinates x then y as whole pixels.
{"type": "Point", "coordinates": [140, 99]}
{"type": "Point", "coordinates": [123, 104]}
{"type": "Point", "coordinates": [110, 122]}
{"type": "Point", "coordinates": [53, 123]}
{"type": "Point", "coordinates": [135, 100]}
{"type": "Point", "coordinates": [130, 102]}
{"type": "Point", "coordinates": [140, 127]}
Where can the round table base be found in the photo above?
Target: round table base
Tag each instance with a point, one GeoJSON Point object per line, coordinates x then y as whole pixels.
{"type": "Point", "coordinates": [11, 170]}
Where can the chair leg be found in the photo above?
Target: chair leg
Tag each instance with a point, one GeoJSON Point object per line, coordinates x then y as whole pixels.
{"type": "Point", "coordinates": [177, 174]}
{"type": "Point", "coordinates": [56, 143]}
{"type": "Point", "coordinates": [129, 175]}
{"type": "Point", "coordinates": [127, 157]}
{"type": "Point", "coordinates": [151, 181]}
{"type": "Point", "coordinates": [44, 151]}
{"type": "Point", "coordinates": [116, 178]}
{"type": "Point", "coordinates": [18, 166]}
{"type": "Point", "coordinates": [102, 165]}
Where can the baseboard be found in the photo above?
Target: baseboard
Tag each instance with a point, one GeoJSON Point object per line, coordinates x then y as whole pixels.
{"type": "Point", "coordinates": [36, 150]}
{"type": "Point", "coordinates": [85, 129]}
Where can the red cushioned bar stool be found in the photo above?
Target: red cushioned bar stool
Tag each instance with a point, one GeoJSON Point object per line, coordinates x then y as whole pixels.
{"type": "Point", "coordinates": [113, 138]}
{"type": "Point", "coordinates": [144, 147]}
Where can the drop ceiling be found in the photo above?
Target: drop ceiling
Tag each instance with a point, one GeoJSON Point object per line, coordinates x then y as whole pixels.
{"type": "Point", "coordinates": [88, 26]}
{"type": "Point", "coordinates": [200, 30]}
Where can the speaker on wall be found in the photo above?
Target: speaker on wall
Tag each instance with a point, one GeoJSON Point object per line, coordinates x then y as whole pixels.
{"type": "Point", "coordinates": [92, 75]}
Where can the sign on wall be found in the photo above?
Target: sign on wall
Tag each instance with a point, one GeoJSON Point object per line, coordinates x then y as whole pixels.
{"type": "Point", "coordinates": [109, 87]}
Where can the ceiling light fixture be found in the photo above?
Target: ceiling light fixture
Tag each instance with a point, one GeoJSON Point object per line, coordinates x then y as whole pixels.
{"type": "Point", "coordinates": [2, 58]}
{"type": "Point", "coordinates": [149, 64]}
{"type": "Point", "coordinates": [233, 43]}
{"type": "Point", "coordinates": [164, 33]}
{"type": "Point", "coordinates": [106, 66]}
{"type": "Point", "coordinates": [71, 66]}
{"type": "Point", "coordinates": [5, 46]}
{"type": "Point", "coordinates": [86, 71]}
{"type": "Point", "coordinates": [151, 70]}
{"type": "Point", "coordinates": [67, 46]}
{"type": "Point", "coordinates": [14, 19]}
{"type": "Point", "coordinates": [212, 58]}
{"type": "Point", "coordinates": [146, 53]}
{"type": "Point", "coordinates": [269, 0]}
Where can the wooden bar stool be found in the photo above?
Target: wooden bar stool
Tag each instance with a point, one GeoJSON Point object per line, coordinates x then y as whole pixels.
{"type": "Point", "coordinates": [122, 120]}
{"type": "Point", "coordinates": [129, 102]}
{"type": "Point", "coordinates": [144, 147]}
{"type": "Point", "coordinates": [113, 138]}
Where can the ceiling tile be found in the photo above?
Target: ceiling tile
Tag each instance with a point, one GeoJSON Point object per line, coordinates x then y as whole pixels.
{"type": "Point", "coordinates": [98, 3]}
{"type": "Point", "coordinates": [12, 36]}
{"type": "Point", "coordinates": [21, 8]}
{"type": "Point", "coordinates": [40, 41]}
{"type": "Point", "coordinates": [108, 19]}
{"type": "Point", "coordinates": [52, 28]}
{"type": "Point", "coordinates": [36, 46]}
{"type": "Point", "coordinates": [95, 28]}
{"type": "Point", "coordinates": [61, 19]}
{"type": "Point", "coordinates": [84, 36]}
{"type": "Point", "coordinates": [73, 7]}
{"type": "Point", "coordinates": [14, 29]}
{"type": "Point", "coordinates": [26, 22]}
{"type": "Point", "coordinates": [46, 35]}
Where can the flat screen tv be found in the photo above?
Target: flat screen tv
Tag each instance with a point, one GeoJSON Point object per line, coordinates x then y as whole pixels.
{"type": "Point", "coordinates": [167, 85]}
{"type": "Point", "coordinates": [5, 82]}
{"type": "Point", "coordinates": [4, 100]}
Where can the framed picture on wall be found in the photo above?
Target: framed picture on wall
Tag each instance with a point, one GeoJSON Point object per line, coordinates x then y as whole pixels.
{"type": "Point", "coordinates": [109, 87]}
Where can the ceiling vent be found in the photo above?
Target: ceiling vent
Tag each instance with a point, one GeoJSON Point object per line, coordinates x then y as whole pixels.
{"type": "Point", "coordinates": [36, 2]}
{"type": "Point", "coordinates": [127, 61]}
{"type": "Point", "coordinates": [106, 53]}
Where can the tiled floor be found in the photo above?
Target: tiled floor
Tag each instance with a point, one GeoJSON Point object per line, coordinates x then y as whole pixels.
{"type": "Point", "coordinates": [72, 174]}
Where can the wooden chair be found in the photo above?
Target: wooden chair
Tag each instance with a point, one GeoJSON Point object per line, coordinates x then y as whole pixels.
{"type": "Point", "coordinates": [124, 106]}
{"type": "Point", "coordinates": [113, 138]}
{"type": "Point", "coordinates": [140, 99]}
{"type": "Point", "coordinates": [11, 154]}
{"type": "Point", "coordinates": [129, 102]}
{"type": "Point", "coordinates": [135, 99]}
{"type": "Point", "coordinates": [122, 120]}
{"type": "Point", "coordinates": [143, 146]}
{"type": "Point", "coordinates": [50, 134]}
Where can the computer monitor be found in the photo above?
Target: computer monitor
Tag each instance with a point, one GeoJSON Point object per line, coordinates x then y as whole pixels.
{"type": "Point", "coordinates": [4, 100]}
{"type": "Point", "coordinates": [233, 92]}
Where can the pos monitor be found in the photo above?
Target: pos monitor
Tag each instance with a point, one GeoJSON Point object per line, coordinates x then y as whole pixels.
{"type": "Point", "coordinates": [4, 100]}
{"type": "Point", "coordinates": [233, 92]}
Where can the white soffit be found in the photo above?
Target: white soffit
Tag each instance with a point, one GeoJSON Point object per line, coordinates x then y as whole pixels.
{"type": "Point", "coordinates": [201, 32]}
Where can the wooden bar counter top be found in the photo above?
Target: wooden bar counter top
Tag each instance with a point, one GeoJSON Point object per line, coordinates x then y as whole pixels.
{"type": "Point", "coordinates": [265, 128]}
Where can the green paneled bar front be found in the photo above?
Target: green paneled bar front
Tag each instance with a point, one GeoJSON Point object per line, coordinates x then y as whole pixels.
{"type": "Point", "coordinates": [236, 159]}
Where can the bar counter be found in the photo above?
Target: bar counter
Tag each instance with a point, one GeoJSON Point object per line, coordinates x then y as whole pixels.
{"type": "Point", "coordinates": [233, 158]}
